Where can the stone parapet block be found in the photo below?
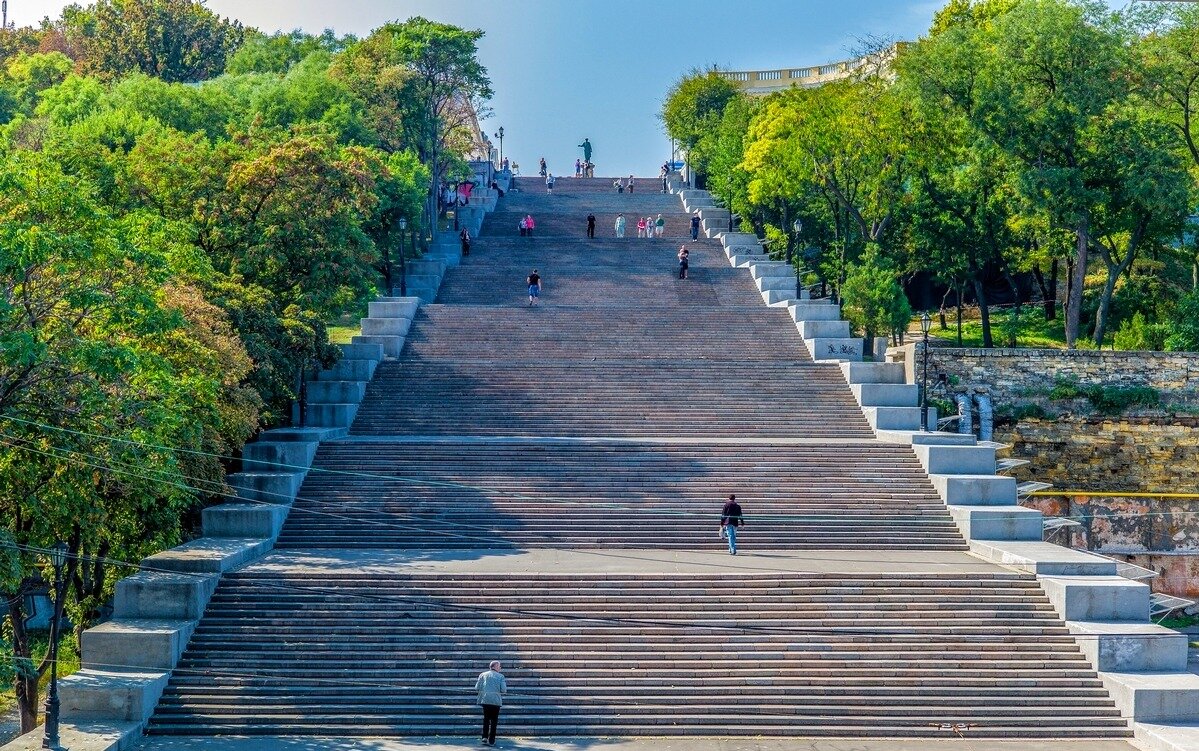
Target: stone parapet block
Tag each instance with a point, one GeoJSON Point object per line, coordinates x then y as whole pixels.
{"type": "Point", "coordinates": [405, 307]}
{"type": "Point", "coordinates": [1097, 598]}
{"type": "Point", "coordinates": [892, 418]}
{"type": "Point", "coordinates": [813, 310]}
{"type": "Point", "coordinates": [135, 643]}
{"type": "Point", "coordinates": [824, 330]}
{"type": "Point", "coordinates": [882, 394]}
{"type": "Point", "coordinates": [975, 490]}
{"type": "Point", "coordinates": [1124, 647]}
{"type": "Point", "coordinates": [998, 522]}
{"type": "Point", "coordinates": [84, 736]}
{"type": "Point", "coordinates": [209, 555]}
{"type": "Point", "coordinates": [362, 351]}
{"type": "Point", "coordinates": [336, 392]}
{"type": "Point", "coordinates": [392, 346]}
{"type": "Point", "coordinates": [956, 460]}
{"type": "Point", "coordinates": [278, 456]}
{"type": "Point", "coordinates": [351, 370]}
{"type": "Point", "coordinates": [1158, 736]}
{"type": "Point", "coordinates": [386, 327]}
{"type": "Point", "coordinates": [1155, 697]}
{"type": "Point", "coordinates": [1042, 558]}
{"type": "Point", "coordinates": [333, 415]}
{"type": "Point", "coordinates": [123, 696]}
{"type": "Point", "coordinates": [163, 596]}
{"type": "Point", "coordinates": [266, 487]}
{"type": "Point", "coordinates": [835, 349]}
{"type": "Point", "coordinates": [244, 520]}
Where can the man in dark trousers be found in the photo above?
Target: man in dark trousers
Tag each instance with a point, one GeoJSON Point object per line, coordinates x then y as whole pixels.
{"type": "Point", "coordinates": [730, 519]}
{"type": "Point", "coordinates": [534, 282]}
{"type": "Point", "coordinates": [591, 225]}
{"type": "Point", "coordinates": [464, 236]}
{"type": "Point", "coordinates": [695, 226]}
{"type": "Point", "coordinates": [491, 686]}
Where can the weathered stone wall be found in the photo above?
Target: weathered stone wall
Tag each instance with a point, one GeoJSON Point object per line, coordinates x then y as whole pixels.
{"type": "Point", "coordinates": [1161, 533]}
{"type": "Point", "coordinates": [1106, 454]}
{"type": "Point", "coordinates": [1013, 376]}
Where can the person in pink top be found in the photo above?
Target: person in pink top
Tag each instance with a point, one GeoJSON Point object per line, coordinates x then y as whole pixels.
{"type": "Point", "coordinates": [640, 226]}
{"type": "Point", "coordinates": [529, 224]}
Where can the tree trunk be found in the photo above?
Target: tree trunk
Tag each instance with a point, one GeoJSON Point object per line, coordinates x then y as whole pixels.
{"type": "Point", "coordinates": [24, 685]}
{"type": "Point", "coordinates": [1051, 311]}
{"type": "Point", "coordinates": [1047, 301]}
{"type": "Point", "coordinates": [1078, 279]}
{"type": "Point", "coordinates": [1015, 323]}
{"type": "Point", "coordinates": [985, 312]}
{"type": "Point", "coordinates": [1105, 303]}
{"type": "Point", "coordinates": [958, 305]}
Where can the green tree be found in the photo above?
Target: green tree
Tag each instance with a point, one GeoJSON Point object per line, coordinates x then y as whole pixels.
{"type": "Point", "coordinates": [692, 113]}
{"type": "Point", "coordinates": [175, 40]}
{"type": "Point", "coordinates": [874, 301]}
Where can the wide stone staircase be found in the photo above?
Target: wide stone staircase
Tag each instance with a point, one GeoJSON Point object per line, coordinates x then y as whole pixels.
{"type": "Point", "coordinates": [542, 486]}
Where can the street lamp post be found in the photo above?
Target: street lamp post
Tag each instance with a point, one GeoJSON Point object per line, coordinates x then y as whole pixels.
{"type": "Point", "coordinates": [500, 135]}
{"type": "Point", "coordinates": [926, 322]}
{"type": "Point", "coordinates": [403, 266]}
{"type": "Point", "coordinates": [798, 227]}
{"type": "Point", "coordinates": [58, 558]}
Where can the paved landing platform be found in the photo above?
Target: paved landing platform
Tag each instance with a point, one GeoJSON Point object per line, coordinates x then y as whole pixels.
{"type": "Point", "coordinates": [619, 561]}
{"type": "Point", "coordinates": [624, 744]}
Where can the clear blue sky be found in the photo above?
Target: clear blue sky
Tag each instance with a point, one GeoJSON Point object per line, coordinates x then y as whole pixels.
{"type": "Point", "coordinates": [566, 69]}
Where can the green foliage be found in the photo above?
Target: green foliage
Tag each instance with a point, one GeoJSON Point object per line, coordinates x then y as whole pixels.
{"type": "Point", "coordinates": [693, 111]}
{"type": "Point", "coordinates": [874, 301]}
{"type": "Point", "coordinates": [1184, 326]}
{"type": "Point", "coordinates": [175, 40]}
{"type": "Point", "coordinates": [1136, 334]}
{"type": "Point", "coordinates": [1106, 399]}
{"type": "Point", "coordinates": [278, 52]}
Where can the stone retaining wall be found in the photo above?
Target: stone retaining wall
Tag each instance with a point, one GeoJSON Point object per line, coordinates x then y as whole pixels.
{"type": "Point", "coordinates": [1016, 375]}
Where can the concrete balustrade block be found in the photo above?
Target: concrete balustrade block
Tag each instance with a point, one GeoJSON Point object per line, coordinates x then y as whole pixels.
{"type": "Point", "coordinates": [956, 460]}
{"type": "Point", "coordinates": [426, 266]}
{"type": "Point", "coordinates": [394, 309]}
{"type": "Point", "coordinates": [892, 418]}
{"type": "Point", "coordinates": [1165, 736]}
{"type": "Point", "coordinates": [392, 347]}
{"type": "Point", "coordinates": [209, 555]}
{"type": "Point", "coordinates": [741, 262]}
{"type": "Point", "coordinates": [767, 269]}
{"type": "Point", "coordinates": [336, 392]}
{"type": "Point", "coordinates": [784, 282]}
{"type": "Point", "coordinates": [998, 522]}
{"type": "Point", "coordinates": [1091, 598]}
{"type": "Point", "coordinates": [1124, 647]}
{"type": "Point", "coordinates": [135, 643]}
{"type": "Point", "coordinates": [154, 595]}
{"type": "Point", "coordinates": [779, 297]}
{"type": "Point", "coordinates": [386, 326]}
{"type": "Point", "coordinates": [426, 293]}
{"type": "Point", "coordinates": [244, 520]}
{"type": "Point", "coordinates": [975, 490]}
{"type": "Point", "coordinates": [421, 280]}
{"type": "Point", "coordinates": [124, 696]}
{"type": "Point", "coordinates": [266, 487]}
{"type": "Point", "coordinates": [1042, 558]}
{"type": "Point", "coordinates": [835, 349]}
{"type": "Point", "coordinates": [352, 370]}
{"type": "Point", "coordinates": [913, 437]}
{"type": "Point", "coordinates": [1155, 696]}
{"type": "Point", "coordinates": [873, 372]}
{"type": "Point", "coordinates": [333, 415]}
{"type": "Point", "coordinates": [277, 456]}
{"type": "Point", "coordinates": [450, 255]}
{"type": "Point", "coordinates": [360, 351]}
{"type": "Point", "coordinates": [813, 310]}
{"type": "Point", "coordinates": [740, 238]}
{"type": "Point", "coordinates": [824, 330]}
{"type": "Point", "coordinates": [883, 394]}
{"type": "Point", "coordinates": [299, 435]}
{"type": "Point", "coordinates": [714, 214]}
